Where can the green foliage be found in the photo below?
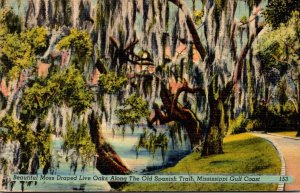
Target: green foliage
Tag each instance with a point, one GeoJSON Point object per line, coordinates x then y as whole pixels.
{"type": "Point", "coordinates": [220, 5]}
{"type": "Point", "coordinates": [37, 100]}
{"type": "Point", "coordinates": [133, 110]}
{"type": "Point", "coordinates": [73, 89]}
{"type": "Point", "coordinates": [197, 15]}
{"type": "Point", "coordinates": [66, 86]}
{"type": "Point", "coordinates": [79, 140]}
{"type": "Point", "coordinates": [30, 141]}
{"type": "Point", "coordinates": [237, 125]}
{"type": "Point", "coordinates": [9, 21]}
{"type": "Point", "coordinates": [111, 82]}
{"type": "Point", "coordinates": [253, 125]}
{"type": "Point", "coordinates": [280, 48]}
{"type": "Point", "coordinates": [244, 20]}
{"type": "Point", "coordinates": [276, 117]}
{"type": "Point", "coordinates": [152, 141]}
{"type": "Point", "coordinates": [80, 42]}
{"type": "Point", "coordinates": [18, 51]}
{"type": "Point", "coordinates": [14, 128]}
{"type": "Point", "coordinates": [280, 11]}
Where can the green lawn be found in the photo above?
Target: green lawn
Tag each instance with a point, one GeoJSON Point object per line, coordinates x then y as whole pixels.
{"type": "Point", "coordinates": [287, 133]}
{"type": "Point", "coordinates": [244, 154]}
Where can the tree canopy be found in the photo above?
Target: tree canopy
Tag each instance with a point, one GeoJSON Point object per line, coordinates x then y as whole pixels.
{"type": "Point", "coordinates": [19, 51]}
{"type": "Point", "coordinates": [280, 11]}
{"type": "Point", "coordinates": [66, 86]}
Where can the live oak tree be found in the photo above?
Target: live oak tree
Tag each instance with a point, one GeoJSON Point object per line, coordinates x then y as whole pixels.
{"type": "Point", "coordinates": [19, 52]}
{"type": "Point", "coordinates": [222, 68]}
{"type": "Point", "coordinates": [279, 48]}
{"type": "Point", "coordinates": [219, 50]}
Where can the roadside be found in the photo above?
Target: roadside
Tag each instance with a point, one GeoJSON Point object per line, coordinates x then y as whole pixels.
{"type": "Point", "coordinates": [243, 154]}
{"type": "Point", "coordinates": [290, 149]}
{"type": "Point", "coordinates": [286, 134]}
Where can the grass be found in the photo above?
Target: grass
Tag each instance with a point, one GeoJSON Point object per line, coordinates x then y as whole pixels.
{"type": "Point", "coordinates": [287, 133]}
{"type": "Point", "coordinates": [243, 154]}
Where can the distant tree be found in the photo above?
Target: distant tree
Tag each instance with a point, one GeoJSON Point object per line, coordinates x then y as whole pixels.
{"type": "Point", "coordinates": [280, 48]}
{"type": "Point", "coordinates": [280, 11]}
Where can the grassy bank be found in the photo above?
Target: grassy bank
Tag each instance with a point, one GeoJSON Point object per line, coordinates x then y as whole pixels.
{"type": "Point", "coordinates": [244, 154]}
{"type": "Point", "coordinates": [287, 133]}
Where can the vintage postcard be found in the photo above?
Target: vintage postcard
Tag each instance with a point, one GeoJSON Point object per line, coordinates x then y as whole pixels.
{"type": "Point", "coordinates": [149, 95]}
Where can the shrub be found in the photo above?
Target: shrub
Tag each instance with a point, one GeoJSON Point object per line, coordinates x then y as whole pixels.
{"type": "Point", "coordinates": [237, 125]}
{"type": "Point", "coordinates": [276, 117]}
{"type": "Point", "coordinates": [253, 125]}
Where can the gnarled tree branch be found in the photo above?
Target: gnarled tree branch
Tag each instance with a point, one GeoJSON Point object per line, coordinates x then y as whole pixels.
{"type": "Point", "coordinates": [185, 116]}
{"type": "Point", "coordinates": [187, 89]}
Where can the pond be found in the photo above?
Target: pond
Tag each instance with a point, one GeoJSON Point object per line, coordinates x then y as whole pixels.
{"type": "Point", "coordinates": [124, 145]}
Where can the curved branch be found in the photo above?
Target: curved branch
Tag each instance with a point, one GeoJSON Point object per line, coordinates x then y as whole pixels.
{"type": "Point", "coordinates": [233, 45]}
{"type": "Point", "coordinates": [243, 54]}
{"type": "Point", "coordinates": [186, 117]}
{"type": "Point", "coordinates": [186, 88]}
{"type": "Point", "coordinates": [254, 16]}
{"type": "Point", "coordinates": [159, 116]}
{"type": "Point", "coordinates": [114, 42]}
{"type": "Point", "coordinates": [131, 45]}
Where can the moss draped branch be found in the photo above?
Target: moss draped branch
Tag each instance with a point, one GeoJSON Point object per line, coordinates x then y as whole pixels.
{"type": "Point", "coordinates": [192, 27]}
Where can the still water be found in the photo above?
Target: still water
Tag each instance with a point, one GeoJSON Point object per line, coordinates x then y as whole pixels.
{"type": "Point", "coordinates": [124, 145]}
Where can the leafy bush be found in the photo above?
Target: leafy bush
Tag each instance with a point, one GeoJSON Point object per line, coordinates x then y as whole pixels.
{"type": "Point", "coordinates": [134, 109]}
{"type": "Point", "coordinates": [276, 117]}
{"type": "Point", "coordinates": [280, 11]}
{"type": "Point", "coordinates": [237, 125]}
{"type": "Point", "coordinates": [253, 125]}
{"type": "Point", "coordinates": [110, 83]}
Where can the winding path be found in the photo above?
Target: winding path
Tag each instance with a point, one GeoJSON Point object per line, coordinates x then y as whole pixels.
{"type": "Point", "coordinates": [290, 149]}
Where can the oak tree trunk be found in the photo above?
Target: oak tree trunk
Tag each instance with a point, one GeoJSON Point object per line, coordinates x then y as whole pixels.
{"type": "Point", "coordinates": [108, 161]}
